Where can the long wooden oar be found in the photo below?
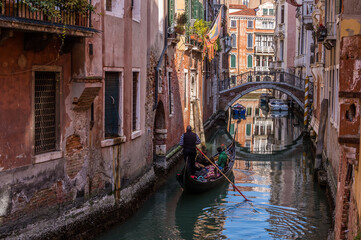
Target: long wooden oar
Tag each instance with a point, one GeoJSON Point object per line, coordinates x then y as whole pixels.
{"type": "Point", "coordinates": [222, 173]}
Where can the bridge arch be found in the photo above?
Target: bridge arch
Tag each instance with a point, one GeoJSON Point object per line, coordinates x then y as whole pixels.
{"type": "Point", "coordinates": [241, 91]}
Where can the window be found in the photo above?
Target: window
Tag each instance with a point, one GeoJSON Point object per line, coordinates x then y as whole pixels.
{"type": "Point", "coordinates": [161, 16]}
{"type": "Point", "coordinates": [256, 129]}
{"type": "Point", "coordinates": [269, 129]}
{"type": "Point", "coordinates": [233, 23]}
{"type": "Point", "coordinates": [256, 112]}
{"type": "Point", "coordinates": [271, 12]}
{"type": "Point", "coordinates": [185, 90]}
{"type": "Point", "coordinates": [114, 7]}
{"type": "Point", "coordinates": [171, 12]}
{"type": "Point", "coordinates": [112, 110]}
{"type": "Point", "coordinates": [245, 2]}
{"type": "Point", "coordinates": [282, 14]}
{"type": "Point", "coordinates": [233, 61]}
{"type": "Point", "coordinates": [231, 129]}
{"type": "Point", "coordinates": [248, 129]}
{"type": "Point", "coordinates": [136, 102]}
{"type": "Point", "coordinates": [262, 130]}
{"type": "Point", "coordinates": [47, 112]}
{"type": "Point", "coordinates": [281, 50]}
{"type": "Point", "coordinates": [265, 11]}
{"type": "Point", "coordinates": [249, 111]}
{"type": "Point", "coordinates": [249, 61]}
{"type": "Point", "coordinates": [108, 5]}
{"type": "Point", "coordinates": [136, 10]}
{"type": "Point", "coordinates": [258, 61]}
{"type": "Point", "coordinates": [233, 79]}
{"type": "Point", "coordinates": [234, 40]}
{"type": "Point", "coordinates": [249, 40]}
{"type": "Point", "coordinates": [170, 93]}
{"type": "Point", "coordinates": [249, 24]}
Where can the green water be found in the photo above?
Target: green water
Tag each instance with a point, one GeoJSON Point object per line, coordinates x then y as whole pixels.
{"type": "Point", "coordinates": [286, 203]}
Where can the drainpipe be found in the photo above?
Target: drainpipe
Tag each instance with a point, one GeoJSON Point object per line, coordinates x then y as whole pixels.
{"type": "Point", "coordinates": [161, 58]}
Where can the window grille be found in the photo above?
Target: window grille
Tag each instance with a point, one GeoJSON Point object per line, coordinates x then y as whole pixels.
{"type": "Point", "coordinates": [45, 112]}
{"type": "Point", "coordinates": [111, 104]}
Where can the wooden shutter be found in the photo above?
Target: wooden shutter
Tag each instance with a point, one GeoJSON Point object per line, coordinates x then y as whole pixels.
{"type": "Point", "coordinates": [171, 11]}
{"type": "Point", "coordinates": [249, 61]}
{"type": "Point", "coordinates": [248, 129]}
{"type": "Point", "coordinates": [111, 104]}
{"type": "Point", "coordinates": [233, 61]}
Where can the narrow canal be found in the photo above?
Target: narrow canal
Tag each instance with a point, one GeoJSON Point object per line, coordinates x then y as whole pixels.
{"type": "Point", "coordinates": [273, 169]}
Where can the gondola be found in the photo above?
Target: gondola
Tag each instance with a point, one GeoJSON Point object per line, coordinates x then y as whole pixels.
{"type": "Point", "coordinates": [192, 185]}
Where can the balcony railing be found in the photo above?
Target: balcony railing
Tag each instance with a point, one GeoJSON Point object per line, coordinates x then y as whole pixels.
{"type": "Point", "coordinates": [331, 30]}
{"type": "Point", "coordinates": [264, 49]}
{"type": "Point", "coordinates": [11, 10]}
{"type": "Point", "coordinates": [261, 68]}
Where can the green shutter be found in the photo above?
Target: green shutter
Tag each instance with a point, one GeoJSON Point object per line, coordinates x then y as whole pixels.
{"type": "Point", "coordinates": [248, 129]}
{"type": "Point", "coordinates": [231, 129]}
{"type": "Point", "coordinates": [249, 111]}
{"type": "Point", "coordinates": [249, 61]}
{"type": "Point", "coordinates": [194, 9]}
{"type": "Point", "coordinates": [171, 11]}
{"type": "Point", "coordinates": [233, 61]}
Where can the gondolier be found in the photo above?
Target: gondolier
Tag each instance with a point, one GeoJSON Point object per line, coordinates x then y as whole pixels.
{"type": "Point", "coordinates": [188, 141]}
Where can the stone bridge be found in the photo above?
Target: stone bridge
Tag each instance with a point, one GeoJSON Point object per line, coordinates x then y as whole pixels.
{"type": "Point", "coordinates": [232, 89]}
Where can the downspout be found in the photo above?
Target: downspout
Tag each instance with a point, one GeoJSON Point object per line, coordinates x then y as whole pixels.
{"type": "Point", "coordinates": [161, 59]}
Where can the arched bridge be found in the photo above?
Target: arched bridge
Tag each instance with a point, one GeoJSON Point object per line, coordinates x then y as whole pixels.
{"type": "Point", "coordinates": [232, 89]}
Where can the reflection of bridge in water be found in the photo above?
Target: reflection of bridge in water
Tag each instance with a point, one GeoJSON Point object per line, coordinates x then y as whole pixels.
{"type": "Point", "coordinates": [233, 89]}
{"type": "Point", "coordinates": [288, 151]}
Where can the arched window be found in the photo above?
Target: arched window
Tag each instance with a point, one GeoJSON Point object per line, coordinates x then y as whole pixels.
{"type": "Point", "coordinates": [249, 61]}
{"type": "Point", "coordinates": [234, 40]}
{"type": "Point", "coordinates": [233, 61]}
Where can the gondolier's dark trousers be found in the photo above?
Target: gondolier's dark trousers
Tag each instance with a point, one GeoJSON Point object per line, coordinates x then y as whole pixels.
{"type": "Point", "coordinates": [191, 155]}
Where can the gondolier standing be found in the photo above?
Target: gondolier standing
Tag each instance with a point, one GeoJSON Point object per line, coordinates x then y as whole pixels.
{"type": "Point", "coordinates": [188, 141]}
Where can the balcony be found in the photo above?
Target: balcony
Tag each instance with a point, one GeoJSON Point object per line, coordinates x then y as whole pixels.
{"type": "Point", "coordinates": [264, 50]}
{"type": "Point", "coordinates": [15, 14]}
{"type": "Point", "coordinates": [300, 61]}
{"type": "Point", "coordinates": [330, 40]}
{"type": "Point", "coordinates": [261, 69]}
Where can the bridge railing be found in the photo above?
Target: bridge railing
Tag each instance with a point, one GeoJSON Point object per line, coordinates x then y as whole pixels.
{"type": "Point", "coordinates": [257, 76]}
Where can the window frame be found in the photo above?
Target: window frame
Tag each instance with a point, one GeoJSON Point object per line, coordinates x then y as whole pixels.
{"type": "Point", "coordinates": [58, 152]}
{"type": "Point", "coordinates": [235, 61]}
{"type": "Point", "coordinates": [248, 24]}
{"type": "Point", "coordinates": [249, 40]}
{"type": "Point", "coordinates": [235, 23]}
{"type": "Point", "coordinates": [120, 72]}
{"type": "Point", "coordinates": [234, 40]}
{"type": "Point", "coordinates": [136, 129]}
{"type": "Point", "coordinates": [248, 57]}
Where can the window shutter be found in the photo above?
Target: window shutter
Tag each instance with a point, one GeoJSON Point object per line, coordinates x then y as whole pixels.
{"type": "Point", "coordinates": [111, 104]}
{"type": "Point", "coordinates": [171, 11]}
{"type": "Point", "coordinates": [249, 61]}
{"type": "Point", "coordinates": [231, 129]}
{"type": "Point", "coordinates": [248, 129]}
{"type": "Point", "coordinates": [233, 61]}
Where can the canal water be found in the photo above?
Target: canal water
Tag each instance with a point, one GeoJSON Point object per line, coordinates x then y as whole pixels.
{"type": "Point", "coordinates": [273, 169]}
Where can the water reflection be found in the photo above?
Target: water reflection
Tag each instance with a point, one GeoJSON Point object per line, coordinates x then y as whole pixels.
{"type": "Point", "coordinates": [286, 203]}
{"type": "Point", "coordinates": [264, 131]}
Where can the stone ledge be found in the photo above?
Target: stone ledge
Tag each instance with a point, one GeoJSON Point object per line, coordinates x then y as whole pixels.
{"type": "Point", "coordinates": [113, 141]}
